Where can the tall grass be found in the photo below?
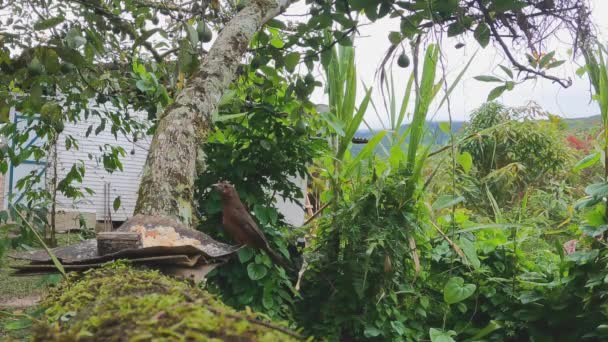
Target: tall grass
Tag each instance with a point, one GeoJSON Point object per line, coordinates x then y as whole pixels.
{"type": "Point", "coordinates": [598, 75]}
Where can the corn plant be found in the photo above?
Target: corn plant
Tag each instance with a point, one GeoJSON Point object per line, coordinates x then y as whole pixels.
{"type": "Point", "coordinates": [343, 116]}
{"type": "Point", "coordinates": [593, 204]}
{"type": "Point", "coordinates": [365, 256]}
{"type": "Point", "coordinates": [598, 75]}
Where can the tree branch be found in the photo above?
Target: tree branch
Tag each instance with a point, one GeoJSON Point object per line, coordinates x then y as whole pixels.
{"type": "Point", "coordinates": [125, 25]}
{"type": "Point", "coordinates": [491, 23]}
{"type": "Point", "coordinates": [167, 185]}
{"type": "Point", "coordinates": [164, 6]}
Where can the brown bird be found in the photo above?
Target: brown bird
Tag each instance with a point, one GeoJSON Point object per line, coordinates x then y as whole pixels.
{"type": "Point", "coordinates": [241, 226]}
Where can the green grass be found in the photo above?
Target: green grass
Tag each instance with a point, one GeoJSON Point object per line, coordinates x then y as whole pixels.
{"type": "Point", "coordinates": [19, 287]}
{"type": "Point", "coordinates": [584, 123]}
{"type": "Point", "coordinates": [13, 325]}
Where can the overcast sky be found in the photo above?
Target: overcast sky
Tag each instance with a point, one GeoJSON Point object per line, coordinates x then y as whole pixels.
{"type": "Point", "coordinates": [470, 93]}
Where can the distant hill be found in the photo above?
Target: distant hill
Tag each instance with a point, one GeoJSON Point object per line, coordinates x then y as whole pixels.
{"type": "Point", "coordinates": [578, 124]}
{"type": "Point", "coordinates": [433, 130]}
{"type": "Point", "coordinates": [584, 123]}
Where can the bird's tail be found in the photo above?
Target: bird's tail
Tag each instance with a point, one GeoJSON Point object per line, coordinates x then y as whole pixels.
{"type": "Point", "coordinates": [278, 259]}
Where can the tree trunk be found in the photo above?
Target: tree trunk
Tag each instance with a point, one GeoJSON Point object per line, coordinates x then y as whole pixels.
{"type": "Point", "coordinates": [167, 185]}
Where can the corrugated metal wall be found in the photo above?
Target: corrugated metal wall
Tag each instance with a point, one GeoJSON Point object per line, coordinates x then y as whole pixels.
{"type": "Point", "coordinates": [124, 184]}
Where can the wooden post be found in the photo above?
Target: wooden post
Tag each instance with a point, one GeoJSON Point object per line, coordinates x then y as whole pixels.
{"type": "Point", "coordinates": [112, 242]}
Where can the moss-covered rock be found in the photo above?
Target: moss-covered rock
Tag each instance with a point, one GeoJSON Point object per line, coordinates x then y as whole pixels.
{"type": "Point", "coordinates": [120, 303]}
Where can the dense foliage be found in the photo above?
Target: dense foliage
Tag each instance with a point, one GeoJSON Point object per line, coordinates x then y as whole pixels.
{"type": "Point", "coordinates": [482, 239]}
{"type": "Point", "coordinates": [262, 144]}
{"type": "Point", "coordinates": [107, 304]}
{"type": "Point", "coordinates": [503, 136]}
{"type": "Point", "coordinates": [511, 151]}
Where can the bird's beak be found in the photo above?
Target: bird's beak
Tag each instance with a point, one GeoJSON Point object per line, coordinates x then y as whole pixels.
{"type": "Point", "coordinates": [216, 186]}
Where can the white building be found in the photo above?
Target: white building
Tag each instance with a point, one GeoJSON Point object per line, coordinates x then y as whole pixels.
{"type": "Point", "coordinates": [97, 209]}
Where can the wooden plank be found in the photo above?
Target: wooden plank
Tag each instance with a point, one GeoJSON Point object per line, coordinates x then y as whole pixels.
{"type": "Point", "coordinates": [169, 260]}
{"type": "Point", "coordinates": [112, 242]}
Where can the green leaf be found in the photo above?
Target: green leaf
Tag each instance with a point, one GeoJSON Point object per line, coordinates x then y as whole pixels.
{"type": "Point", "coordinates": [276, 24]}
{"type": "Point", "coordinates": [394, 37]}
{"type": "Point", "coordinates": [267, 297]}
{"type": "Point", "coordinates": [487, 330]}
{"type": "Point", "coordinates": [192, 35]}
{"type": "Point", "coordinates": [372, 331]}
{"type": "Point", "coordinates": [602, 329]}
{"type": "Point", "coordinates": [18, 325]}
{"type": "Point", "coordinates": [261, 213]}
{"type": "Point", "coordinates": [583, 257]}
{"type": "Point", "coordinates": [101, 126]}
{"type": "Point", "coordinates": [417, 128]}
{"type": "Point", "coordinates": [147, 34]}
{"type": "Point", "coordinates": [466, 161]}
{"type": "Point", "coordinates": [256, 271]}
{"type": "Point", "coordinates": [456, 290]}
{"type": "Point", "coordinates": [291, 61]}
{"type": "Point", "coordinates": [597, 190]}
{"type": "Point", "coordinates": [506, 70]}
{"type": "Point", "coordinates": [446, 201]}
{"type": "Point", "coordinates": [36, 94]}
{"type": "Point", "coordinates": [333, 122]}
{"type": "Point", "coordinates": [116, 203]}
{"type": "Point", "coordinates": [527, 297]}
{"type": "Point", "coordinates": [594, 231]}
{"type": "Point", "coordinates": [52, 255]}
{"type": "Point", "coordinates": [266, 144]}
{"type": "Point", "coordinates": [555, 64]}
{"type": "Point", "coordinates": [48, 23]}
{"type": "Point", "coordinates": [581, 71]}
{"type": "Point", "coordinates": [488, 78]}
{"type": "Point", "coordinates": [398, 327]}
{"type": "Point", "coordinates": [71, 56]}
{"type": "Point", "coordinates": [5, 110]}
{"type": "Point", "coordinates": [596, 217]}
{"type": "Point", "coordinates": [326, 57]}
{"type": "Point", "coordinates": [365, 153]}
{"type": "Point", "coordinates": [277, 43]}
{"type": "Point", "coordinates": [506, 5]}
{"type": "Point", "coordinates": [496, 92]}
{"type": "Point", "coordinates": [587, 202]}
{"type": "Point", "coordinates": [588, 161]}
{"type": "Point", "coordinates": [456, 28]}
{"type": "Point", "coordinates": [482, 34]}
{"type": "Point", "coordinates": [409, 25]}
{"type": "Point", "coordinates": [354, 124]}
{"type": "Point", "coordinates": [358, 5]}
{"type": "Point", "coordinates": [245, 254]}
{"type": "Point", "coordinates": [438, 335]}
{"type": "Point", "coordinates": [544, 61]}
{"type": "Point", "coordinates": [468, 247]}
{"type": "Point", "coordinates": [74, 38]}
{"type": "Point", "coordinates": [533, 62]}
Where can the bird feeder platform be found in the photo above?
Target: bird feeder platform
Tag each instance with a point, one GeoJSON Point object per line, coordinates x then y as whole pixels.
{"type": "Point", "coordinates": [149, 240]}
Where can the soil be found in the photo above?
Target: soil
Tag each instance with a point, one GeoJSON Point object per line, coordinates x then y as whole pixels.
{"type": "Point", "coordinates": [23, 302]}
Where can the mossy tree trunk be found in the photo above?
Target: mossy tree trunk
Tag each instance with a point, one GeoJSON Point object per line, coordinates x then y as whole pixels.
{"type": "Point", "coordinates": [167, 184]}
{"type": "Point", "coordinates": [119, 303]}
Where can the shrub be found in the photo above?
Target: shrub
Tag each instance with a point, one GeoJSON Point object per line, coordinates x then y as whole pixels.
{"type": "Point", "coordinates": [512, 149]}
{"type": "Point", "coordinates": [259, 150]}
